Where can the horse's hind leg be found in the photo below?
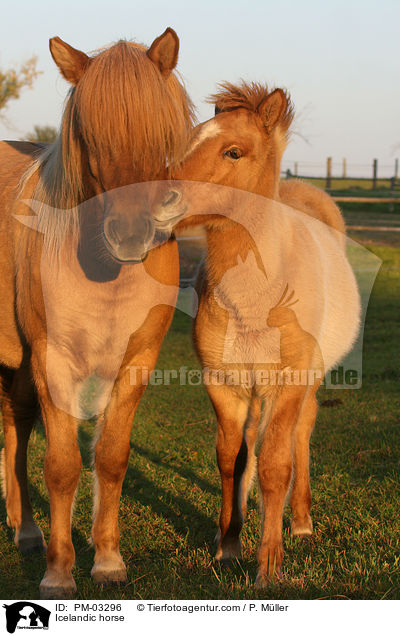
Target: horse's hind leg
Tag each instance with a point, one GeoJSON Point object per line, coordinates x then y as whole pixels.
{"type": "Point", "coordinates": [232, 456]}
{"type": "Point", "coordinates": [300, 499]}
{"type": "Point", "coordinates": [19, 410]}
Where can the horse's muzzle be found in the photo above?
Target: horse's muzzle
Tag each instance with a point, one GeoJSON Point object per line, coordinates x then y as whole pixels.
{"type": "Point", "coordinates": [129, 240]}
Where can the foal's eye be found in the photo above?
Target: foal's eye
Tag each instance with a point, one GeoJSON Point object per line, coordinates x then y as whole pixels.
{"type": "Point", "coordinates": [233, 153]}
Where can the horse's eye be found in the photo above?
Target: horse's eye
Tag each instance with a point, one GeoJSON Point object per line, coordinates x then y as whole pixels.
{"type": "Point", "coordinates": [233, 153]}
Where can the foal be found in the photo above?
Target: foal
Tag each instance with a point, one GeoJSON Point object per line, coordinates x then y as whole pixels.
{"type": "Point", "coordinates": [253, 260]}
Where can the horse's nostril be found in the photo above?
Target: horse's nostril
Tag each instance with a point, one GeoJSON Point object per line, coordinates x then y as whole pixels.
{"type": "Point", "coordinates": [112, 228]}
{"type": "Point", "coordinates": [172, 197]}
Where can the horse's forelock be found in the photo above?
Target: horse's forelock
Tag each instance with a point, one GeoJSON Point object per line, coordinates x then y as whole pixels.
{"type": "Point", "coordinates": [123, 104]}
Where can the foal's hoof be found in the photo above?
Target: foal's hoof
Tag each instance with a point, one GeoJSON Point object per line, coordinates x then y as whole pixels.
{"type": "Point", "coordinates": [228, 551]}
{"type": "Point", "coordinates": [53, 587]}
{"type": "Point", "coordinates": [109, 572]}
{"type": "Point", "coordinates": [270, 558]}
{"type": "Point", "coordinates": [263, 579]}
{"type": "Point", "coordinates": [30, 539]}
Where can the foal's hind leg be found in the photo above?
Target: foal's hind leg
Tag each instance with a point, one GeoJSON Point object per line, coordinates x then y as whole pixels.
{"type": "Point", "coordinates": [19, 410]}
{"type": "Point", "coordinates": [250, 436]}
{"type": "Point", "coordinates": [232, 456]}
{"type": "Point", "coordinates": [300, 499]}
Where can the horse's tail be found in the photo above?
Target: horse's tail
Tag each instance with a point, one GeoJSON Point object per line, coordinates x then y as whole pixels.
{"type": "Point", "coordinates": [3, 482]}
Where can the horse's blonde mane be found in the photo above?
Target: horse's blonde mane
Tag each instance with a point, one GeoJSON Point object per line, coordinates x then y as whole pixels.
{"type": "Point", "coordinates": [249, 96]}
{"type": "Point", "coordinates": [121, 105]}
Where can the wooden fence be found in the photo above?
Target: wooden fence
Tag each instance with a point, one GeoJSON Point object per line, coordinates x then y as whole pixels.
{"type": "Point", "coordinates": [329, 177]}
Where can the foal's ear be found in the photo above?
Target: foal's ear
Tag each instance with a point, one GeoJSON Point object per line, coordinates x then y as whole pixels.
{"type": "Point", "coordinates": [164, 52]}
{"type": "Point", "coordinates": [71, 62]}
{"type": "Point", "coordinates": [272, 108]}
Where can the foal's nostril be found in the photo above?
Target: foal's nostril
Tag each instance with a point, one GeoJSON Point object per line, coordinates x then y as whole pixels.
{"type": "Point", "coordinates": [149, 228]}
{"type": "Point", "coordinates": [171, 197]}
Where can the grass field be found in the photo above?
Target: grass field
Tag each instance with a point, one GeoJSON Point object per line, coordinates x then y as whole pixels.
{"type": "Point", "coordinates": [362, 186]}
{"type": "Point", "coordinates": [171, 493]}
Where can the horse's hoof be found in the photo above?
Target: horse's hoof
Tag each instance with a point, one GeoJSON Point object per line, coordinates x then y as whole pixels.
{"type": "Point", "coordinates": [30, 546]}
{"type": "Point", "coordinates": [302, 530]}
{"type": "Point", "coordinates": [305, 537]}
{"type": "Point", "coordinates": [30, 540]}
{"type": "Point", "coordinates": [111, 572]}
{"type": "Point", "coordinates": [53, 589]}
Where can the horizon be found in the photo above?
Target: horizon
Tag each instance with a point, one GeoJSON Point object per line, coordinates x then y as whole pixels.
{"type": "Point", "coordinates": [339, 63]}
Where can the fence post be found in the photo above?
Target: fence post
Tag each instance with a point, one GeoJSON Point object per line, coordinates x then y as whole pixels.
{"type": "Point", "coordinates": [296, 171]}
{"type": "Point", "coordinates": [392, 185]}
{"type": "Point", "coordinates": [344, 169]}
{"type": "Point", "coordinates": [374, 174]}
{"type": "Point", "coordinates": [328, 172]}
{"type": "Point", "coordinates": [396, 168]}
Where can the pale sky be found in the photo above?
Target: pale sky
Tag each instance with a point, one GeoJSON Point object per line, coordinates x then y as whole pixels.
{"type": "Point", "coordinates": [339, 59]}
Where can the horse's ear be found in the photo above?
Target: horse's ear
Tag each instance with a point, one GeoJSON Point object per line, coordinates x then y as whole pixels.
{"type": "Point", "coordinates": [164, 52]}
{"type": "Point", "coordinates": [71, 62]}
{"type": "Point", "coordinates": [272, 108]}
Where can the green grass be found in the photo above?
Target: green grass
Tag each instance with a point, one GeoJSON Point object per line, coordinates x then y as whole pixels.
{"type": "Point", "coordinates": [362, 186]}
{"type": "Point", "coordinates": [171, 493]}
{"type": "Point", "coordinates": [373, 216]}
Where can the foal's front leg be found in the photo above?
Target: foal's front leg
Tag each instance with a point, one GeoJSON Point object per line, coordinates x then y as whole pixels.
{"type": "Point", "coordinates": [275, 465]}
{"type": "Point", "coordinates": [300, 499]}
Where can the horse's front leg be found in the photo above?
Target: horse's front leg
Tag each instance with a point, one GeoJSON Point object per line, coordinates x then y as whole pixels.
{"type": "Point", "coordinates": [111, 461]}
{"type": "Point", "coordinates": [62, 470]}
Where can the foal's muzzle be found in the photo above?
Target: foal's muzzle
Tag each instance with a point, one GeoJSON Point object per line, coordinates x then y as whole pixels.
{"type": "Point", "coordinates": [169, 211]}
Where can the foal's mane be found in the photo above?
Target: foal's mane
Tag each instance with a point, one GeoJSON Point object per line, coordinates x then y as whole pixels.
{"type": "Point", "coordinates": [121, 105]}
{"type": "Point", "coordinates": [249, 96]}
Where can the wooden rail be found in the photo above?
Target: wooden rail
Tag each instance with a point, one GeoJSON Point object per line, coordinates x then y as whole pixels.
{"type": "Point", "coordinates": [367, 199]}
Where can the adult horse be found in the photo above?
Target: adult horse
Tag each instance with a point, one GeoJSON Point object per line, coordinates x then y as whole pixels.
{"type": "Point", "coordinates": [126, 118]}
{"type": "Point", "coordinates": [277, 298]}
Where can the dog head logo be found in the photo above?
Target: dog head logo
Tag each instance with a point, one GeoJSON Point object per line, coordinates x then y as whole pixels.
{"type": "Point", "coordinates": [26, 615]}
